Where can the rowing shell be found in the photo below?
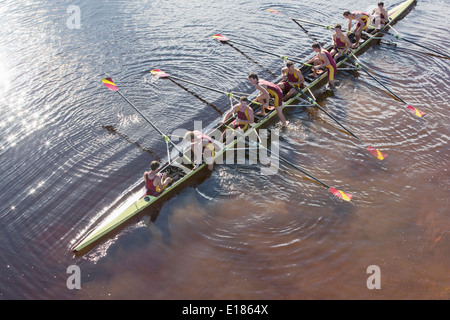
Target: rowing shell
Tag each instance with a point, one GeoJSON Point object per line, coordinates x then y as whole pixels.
{"type": "Point", "coordinates": [183, 172]}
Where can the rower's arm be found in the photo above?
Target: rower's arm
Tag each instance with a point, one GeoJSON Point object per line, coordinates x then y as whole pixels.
{"type": "Point", "coordinates": [350, 20]}
{"type": "Point", "coordinates": [325, 59]}
{"type": "Point", "coordinates": [284, 72]}
{"type": "Point", "coordinates": [312, 60]}
{"type": "Point", "coordinates": [159, 179]}
{"type": "Point", "coordinates": [229, 113]}
{"type": "Point", "coordinates": [264, 93]}
{"type": "Point", "coordinates": [301, 79]}
{"type": "Point", "coordinates": [385, 14]}
{"type": "Point", "coordinates": [360, 21]}
{"type": "Point", "coordinates": [347, 42]}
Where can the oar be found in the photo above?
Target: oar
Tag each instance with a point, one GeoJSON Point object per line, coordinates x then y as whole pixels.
{"type": "Point", "coordinates": [226, 40]}
{"type": "Point", "coordinates": [313, 23]}
{"type": "Point", "coordinates": [194, 94]}
{"type": "Point", "coordinates": [113, 131]}
{"type": "Point", "coordinates": [338, 193]}
{"type": "Point", "coordinates": [108, 82]}
{"type": "Point", "coordinates": [377, 153]}
{"type": "Point", "coordinates": [306, 31]}
{"type": "Point", "coordinates": [397, 36]}
{"type": "Point", "coordinates": [161, 74]}
{"type": "Point", "coordinates": [297, 23]}
{"type": "Point", "coordinates": [358, 64]}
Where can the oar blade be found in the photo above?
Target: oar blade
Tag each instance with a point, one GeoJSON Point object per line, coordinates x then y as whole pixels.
{"type": "Point", "coordinates": [341, 194]}
{"type": "Point", "coordinates": [110, 84]}
{"type": "Point", "coordinates": [273, 11]}
{"type": "Point", "coordinates": [220, 37]}
{"type": "Point", "coordinates": [416, 111]}
{"type": "Point", "coordinates": [377, 153]}
{"type": "Point", "coordinates": [158, 73]}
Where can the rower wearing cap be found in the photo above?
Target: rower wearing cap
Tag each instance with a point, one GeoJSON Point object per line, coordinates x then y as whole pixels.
{"type": "Point", "coordinates": [362, 18]}
{"type": "Point", "coordinates": [323, 59]}
{"type": "Point", "coordinates": [292, 77]}
{"type": "Point", "coordinates": [266, 91]}
{"type": "Point", "coordinates": [380, 16]}
{"type": "Point", "coordinates": [155, 182]}
{"type": "Point", "coordinates": [197, 139]}
{"type": "Point", "coordinates": [341, 43]}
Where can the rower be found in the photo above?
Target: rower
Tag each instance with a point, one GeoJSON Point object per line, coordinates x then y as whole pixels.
{"type": "Point", "coordinates": [362, 18]}
{"type": "Point", "coordinates": [323, 59]}
{"type": "Point", "coordinates": [244, 117]}
{"type": "Point", "coordinates": [380, 16]}
{"type": "Point", "coordinates": [197, 139]}
{"type": "Point", "coordinates": [266, 91]}
{"type": "Point", "coordinates": [155, 182]}
{"type": "Point", "coordinates": [341, 43]}
{"type": "Point", "coordinates": [292, 77]}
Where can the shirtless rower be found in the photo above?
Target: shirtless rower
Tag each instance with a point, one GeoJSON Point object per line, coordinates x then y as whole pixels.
{"type": "Point", "coordinates": [266, 91]}
{"type": "Point", "coordinates": [292, 77]}
{"type": "Point", "coordinates": [323, 59]}
{"type": "Point", "coordinates": [362, 18]}
{"type": "Point", "coordinates": [341, 43]}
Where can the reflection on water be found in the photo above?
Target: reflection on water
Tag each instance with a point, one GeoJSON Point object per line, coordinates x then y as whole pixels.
{"type": "Point", "coordinates": [72, 152]}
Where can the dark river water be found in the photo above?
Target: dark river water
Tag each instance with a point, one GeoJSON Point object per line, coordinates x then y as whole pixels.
{"type": "Point", "coordinates": [70, 150]}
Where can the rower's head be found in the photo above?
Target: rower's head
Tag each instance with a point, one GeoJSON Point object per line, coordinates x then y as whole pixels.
{"type": "Point", "coordinates": [154, 165]}
{"type": "Point", "coordinates": [253, 77]}
{"type": "Point", "coordinates": [316, 47]}
{"type": "Point", "coordinates": [189, 136]}
{"type": "Point", "coordinates": [243, 101]}
{"type": "Point", "coordinates": [347, 14]}
{"type": "Point", "coordinates": [381, 4]}
{"type": "Point", "coordinates": [290, 65]}
{"type": "Point", "coordinates": [338, 27]}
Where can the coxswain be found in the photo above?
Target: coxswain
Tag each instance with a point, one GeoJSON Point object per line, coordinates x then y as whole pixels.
{"type": "Point", "coordinates": [155, 182]}
{"type": "Point", "coordinates": [268, 90]}
{"type": "Point", "coordinates": [197, 140]}
{"type": "Point", "coordinates": [363, 21]}
{"type": "Point", "coordinates": [380, 16]}
{"type": "Point", "coordinates": [292, 78]}
{"type": "Point", "coordinates": [341, 43]}
{"type": "Point", "coordinates": [323, 59]}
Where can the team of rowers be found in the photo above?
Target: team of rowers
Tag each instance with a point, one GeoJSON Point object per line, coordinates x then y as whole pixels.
{"type": "Point", "coordinates": [292, 81]}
